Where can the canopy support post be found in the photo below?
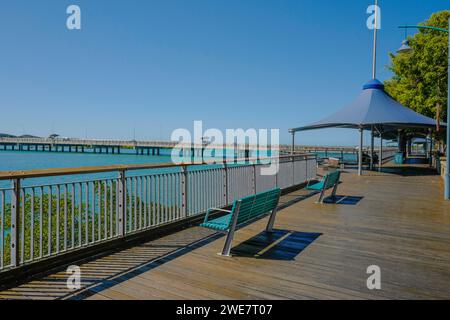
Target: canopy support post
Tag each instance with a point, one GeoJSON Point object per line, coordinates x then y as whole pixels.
{"type": "Point", "coordinates": [360, 154]}
{"type": "Point", "coordinates": [371, 148]}
{"type": "Point", "coordinates": [380, 160]}
{"type": "Point", "coordinates": [430, 147]}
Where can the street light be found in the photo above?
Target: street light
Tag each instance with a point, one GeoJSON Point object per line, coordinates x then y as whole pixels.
{"type": "Point", "coordinates": [403, 49]}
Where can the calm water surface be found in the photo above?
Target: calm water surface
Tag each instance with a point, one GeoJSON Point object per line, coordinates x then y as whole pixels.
{"type": "Point", "coordinates": [15, 160]}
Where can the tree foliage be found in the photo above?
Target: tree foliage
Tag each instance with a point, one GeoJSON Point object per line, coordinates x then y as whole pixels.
{"type": "Point", "coordinates": [420, 77]}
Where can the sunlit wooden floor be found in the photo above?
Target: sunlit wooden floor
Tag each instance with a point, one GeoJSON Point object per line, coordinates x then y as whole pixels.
{"type": "Point", "coordinates": [398, 222]}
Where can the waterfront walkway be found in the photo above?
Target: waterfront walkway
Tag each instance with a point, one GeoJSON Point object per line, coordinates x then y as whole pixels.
{"type": "Point", "coordinates": [398, 221]}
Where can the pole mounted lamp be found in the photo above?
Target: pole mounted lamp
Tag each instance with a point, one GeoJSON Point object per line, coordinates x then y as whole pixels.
{"type": "Point", "coordinates": [405, 48]}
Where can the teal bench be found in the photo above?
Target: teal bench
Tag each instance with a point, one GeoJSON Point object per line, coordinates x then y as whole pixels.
{"type": "Point", "coordinates": [244, 210]}
{"type": "Point", "coordinates": [328, 181]}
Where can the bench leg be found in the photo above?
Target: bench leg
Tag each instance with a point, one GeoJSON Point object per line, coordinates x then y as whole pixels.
{"type": "Point", "coordinates": [322, 195]}
{"type": "Point", "coordinates": [227, 247]}
{"type": "Point", "coordinates": [230, 235]}
{"type": "Point", "coordinates": [333, 194]}
{"type": "Point", "coordinates": [271, 220]}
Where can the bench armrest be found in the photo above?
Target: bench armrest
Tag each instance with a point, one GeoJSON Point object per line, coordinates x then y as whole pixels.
{"type": "Point", "coordinates": [214, 209]}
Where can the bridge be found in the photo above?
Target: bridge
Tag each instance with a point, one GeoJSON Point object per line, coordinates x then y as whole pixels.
{"type": "Point", "coordinates": [102, 146]}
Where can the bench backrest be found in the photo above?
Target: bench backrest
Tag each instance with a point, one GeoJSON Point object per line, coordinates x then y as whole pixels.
{"type": "Point", "coordinates": [256, 205]}
{"type": "Point", "coordinates": [331, 179]}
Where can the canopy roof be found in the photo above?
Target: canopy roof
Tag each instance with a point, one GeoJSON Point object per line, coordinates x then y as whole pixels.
{"type": "Point", "coordinates": [373, 107]}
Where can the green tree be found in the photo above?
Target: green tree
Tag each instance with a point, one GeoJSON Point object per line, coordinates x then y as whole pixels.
{"type": "Point", "coordinates": [420, 77]}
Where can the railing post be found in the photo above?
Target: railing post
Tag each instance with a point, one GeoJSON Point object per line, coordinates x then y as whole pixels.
{"type": "Point", "coordinates": [15, 223]}
{"type": "Point", "coordinates": [293, 171]}
{"type": "Point", "coordinates": [278, 172]}
{"type": "Point", "coordinates": [254, 178]}
{"type": "Point", "coordinates": [122, 202]}
{"type": "Point", "coordinates": [306, 167]}
{"type": "Point", "coordinates": [225, 182]}
{"type": "Point", "coordinates": [184, 191]}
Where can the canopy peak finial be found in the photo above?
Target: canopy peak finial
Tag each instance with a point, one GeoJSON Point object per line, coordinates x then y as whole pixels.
{"type": "Point", "coordinates": [374, 84]}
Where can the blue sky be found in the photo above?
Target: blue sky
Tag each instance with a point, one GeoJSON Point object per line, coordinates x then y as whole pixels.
{"type": "Point", "coordinates": [144, 68]}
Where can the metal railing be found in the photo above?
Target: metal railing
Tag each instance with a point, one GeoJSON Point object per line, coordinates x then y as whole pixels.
{"type": "Point", "coordinates": [46, 219]}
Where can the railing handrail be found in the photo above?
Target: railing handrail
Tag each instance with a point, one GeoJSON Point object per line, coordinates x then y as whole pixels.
{"type": "Point", "coordinates": [40, 173]}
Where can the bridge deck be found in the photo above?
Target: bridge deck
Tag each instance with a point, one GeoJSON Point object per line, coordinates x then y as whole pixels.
{"type": "Point", "coordinates": [398, 222]}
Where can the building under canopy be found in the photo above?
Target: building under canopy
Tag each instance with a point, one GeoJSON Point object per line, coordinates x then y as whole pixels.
{"type": "Point", "coordinates": [375, 110]}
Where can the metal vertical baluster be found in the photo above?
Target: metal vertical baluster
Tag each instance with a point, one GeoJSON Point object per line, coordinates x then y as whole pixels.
{"type": "Point", "coordinates": [58, 199]}
{"type": "Point", "coordinates": [72, 217]}
{"type": "Point", "coordinates": [15, 220]}
{"type": "Point", "coordinates": [122, 204]}
{"type": "Point", "coordinates": [187, 192]}
{"type": "Point", "coordinates": [137, 207]}
{"type": "Point", "coordinates": [65, 215]}
{"type": "Point", "coordinates": [86, 214]}
{"type": "Point", "coordinates": [2, 228]}
{"type": "Point", "coordinates": [99, 214]}
{"type": "Point", "coordinates": [154, 197]}
{"type": "Point", "coordinates": [49, 224]}
{"type": "Point", "coordinates": [93, 212]}
{"type": "Point", "coordinates": [193, 192]}
{"type": "Point", "coordinates": [22, 226]}
{"type": "Point", "coordinates": [180, 196]}
{"type": "Point", "coordinates": [255, 187]}
{"type": "Point", "coordinates": [105, 209]}
{"type": "Point", "coordinates": [201, 191]}
{"type": "Point", "coordinates": [158, 199]}
{"type": "Point", "coordinates": [150, 202]}
{"type": "Point", "coordinates": [128, 203]}
{"type": "Point", "coordinates": [41, 223]}
{"type": "Point", "coordinates": [161, 199]}
{"type": "Point", "coordinates": [135, 203]}
{"type": "Point", "coordinates": [173, 197]}
{"type": "Point", "coordinates": [177, 185]}
{"type": "Point", "coordinates": [141, 202]}
{"type": "Point", "coordinates": [145, 201]}
{"type": "Point", "coordinates": [225, 183]}
{"type": "Point", "coordinates": [32, 225]}
{"type": "Point", "coordinates": [197, 192]}
{"type": "Point", "coordinates": [111, 199]}
{"type": "Point", "coordinates": [80, 214]}
{"type": "Point", "coordinates": [206, 191]}
{"type": "Point", "coordinates": [166, 197]}
{"type": "Point", "coordinates": [118, 207]}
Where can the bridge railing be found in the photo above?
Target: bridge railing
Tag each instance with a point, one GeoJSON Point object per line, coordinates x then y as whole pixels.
{"type": "Point", "coordinates": [47, 213]}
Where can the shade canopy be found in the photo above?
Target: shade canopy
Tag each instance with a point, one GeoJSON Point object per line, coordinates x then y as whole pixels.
{"type": "Point", "coordinates": [373, 107]}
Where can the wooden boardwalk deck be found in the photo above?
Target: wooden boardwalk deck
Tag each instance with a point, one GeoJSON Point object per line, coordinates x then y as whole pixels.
{"type": "Point", "coordinates": [399, 222]}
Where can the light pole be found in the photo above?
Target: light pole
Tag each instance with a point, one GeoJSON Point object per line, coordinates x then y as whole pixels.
{"type": "Point", "coordinates": [405, 48]}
